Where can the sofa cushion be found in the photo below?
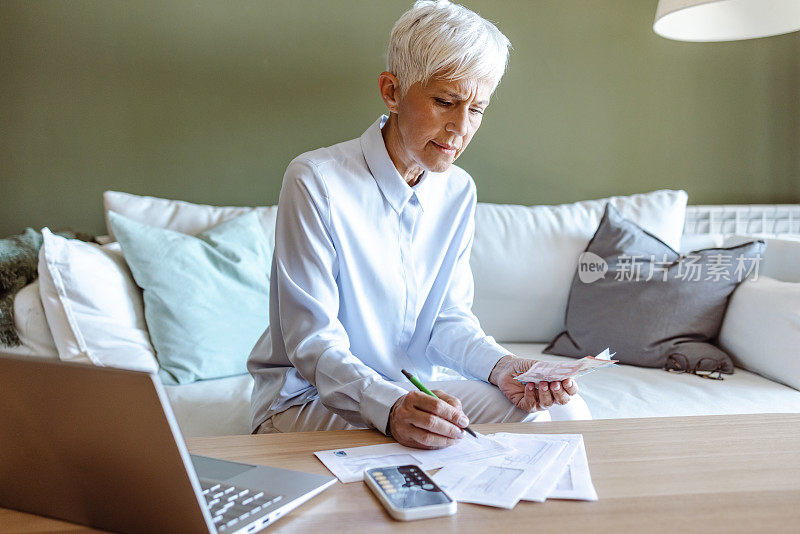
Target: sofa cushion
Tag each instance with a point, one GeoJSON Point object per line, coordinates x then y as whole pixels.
{"type": "Point", "coordinates": [206, 296]}
{"type": "Point", "coordinates": [523, 258]}
{"type": "Point", "coordinates": [690, 242]}
{"type": "Point", "coordinates": [221, 406]}
{"type": "Point", "coordinates": [781, 260]}
{"type": "Point", "coordinates": [654, 308]}
{"type": "Point", "coordinates": [93, 306]}
{"type": "Point", "coordinates": [181, 216]}
{"type": "Point", "coordinates": [623, 391]}
{"type": "Point", "coordinates": [761, 330]}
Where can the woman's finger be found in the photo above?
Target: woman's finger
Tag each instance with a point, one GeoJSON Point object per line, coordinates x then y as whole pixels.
{"type": "Point", "coordinates": [438, 407]}
{"type": "Point", "coordinates": [570, 386]}
{"type": "Point", "coordinates": [559, 395]}
{"type": "Point", "coordinates": [427, 440]}
{"type": "Point", "coordinates": [436, 425]}
{"type": "Point", "coordinates": [449, 399]}
{"type": "Point", "coordinates": [435, 415]}
{"type": "Point", "coordinates": [528, 401]}
{"type": "Point", "coordinates": [545, 397]}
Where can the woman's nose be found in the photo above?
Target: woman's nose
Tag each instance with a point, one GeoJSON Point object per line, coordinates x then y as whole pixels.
{"type": "Point", "coordinates": [459, 122]}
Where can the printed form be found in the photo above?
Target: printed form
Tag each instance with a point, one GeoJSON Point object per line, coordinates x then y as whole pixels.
{"type": "Point", "coordinates": [348, 464]}
{"type": "Point", "coordinates": [567, 478]}
{"type": "Point", "coordinates": [576, 482]}
{"type": "Point", "coordinates": [495, 470]}
{"type": "Point", "coordinates": [503, 480]}
{"type": "Point", "coordinates": [541, 466]}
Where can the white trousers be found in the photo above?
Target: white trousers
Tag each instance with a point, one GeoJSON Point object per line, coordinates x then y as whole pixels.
{"type": "Point", "coordinates": [480, 401]}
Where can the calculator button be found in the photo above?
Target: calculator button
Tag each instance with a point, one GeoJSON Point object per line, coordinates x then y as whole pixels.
{"type": "Point", "coordinates": [427, 486]}
{"type": "Point", "coordinates": [378, 473]}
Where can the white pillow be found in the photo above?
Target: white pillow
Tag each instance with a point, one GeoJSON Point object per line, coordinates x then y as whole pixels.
{"type": "Point", "coordinates": [761, 329]}
{"type": "Point", "coordinates": [31, 325]}
{"type": "Point", "coordinates": [182, 216]}
{"type": "Point", "coordinates": [690, 242]}
{"type": "Point", "coordinates": [523, 258]}
{"type": "Point", "coordinates": [93, 306]}
{"type": "Point", "coordinates": [781, 259]}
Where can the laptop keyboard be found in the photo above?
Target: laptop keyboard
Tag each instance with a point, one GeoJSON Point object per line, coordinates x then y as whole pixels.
{"type": "Point", "coordinates": [232, 507]}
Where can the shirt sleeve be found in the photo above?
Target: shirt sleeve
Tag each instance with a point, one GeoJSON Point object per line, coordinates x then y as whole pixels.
{"type": "Point", "coordinates": [457, 339]}
{"type": "Point", "coordinates": [316, 342]}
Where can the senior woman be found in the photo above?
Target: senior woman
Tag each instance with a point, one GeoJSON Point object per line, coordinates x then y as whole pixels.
{"type": "Point", "coordinates": [371, 272]}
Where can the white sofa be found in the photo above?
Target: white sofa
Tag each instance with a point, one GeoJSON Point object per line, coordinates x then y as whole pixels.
{"type": "Point", "coordinates": [523, 260]}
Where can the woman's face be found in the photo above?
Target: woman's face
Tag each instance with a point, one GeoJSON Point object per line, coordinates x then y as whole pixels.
{"type": "Point", "coordinates": [436, 122]}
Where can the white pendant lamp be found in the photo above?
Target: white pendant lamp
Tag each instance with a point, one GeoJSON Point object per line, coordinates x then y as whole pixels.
{"type": "Point", "coordinates": [725, 20]}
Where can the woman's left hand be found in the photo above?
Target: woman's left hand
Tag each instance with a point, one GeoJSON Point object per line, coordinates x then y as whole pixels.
{"type": "Point", "coordinates": [529, 397]}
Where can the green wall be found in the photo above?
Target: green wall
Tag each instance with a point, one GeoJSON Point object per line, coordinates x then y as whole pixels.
{"type": "Point", "coordinates": [208, 102]}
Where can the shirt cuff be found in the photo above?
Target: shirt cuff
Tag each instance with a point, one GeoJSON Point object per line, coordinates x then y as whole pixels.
{"type": "Point", "coordinates": [483, 359]}
{"type": "Point", "coordinates": [377, 401]}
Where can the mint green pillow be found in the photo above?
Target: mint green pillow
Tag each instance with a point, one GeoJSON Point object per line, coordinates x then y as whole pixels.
{"type": "Point", "coordinates": [206, 297]}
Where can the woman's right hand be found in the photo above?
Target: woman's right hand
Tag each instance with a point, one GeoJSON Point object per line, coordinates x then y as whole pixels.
{"type": "Point", "coordinates": [425, 422]}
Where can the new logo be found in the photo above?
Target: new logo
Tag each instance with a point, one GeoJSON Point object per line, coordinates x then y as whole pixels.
{"type": "Point", "coordinates": [591, 267]}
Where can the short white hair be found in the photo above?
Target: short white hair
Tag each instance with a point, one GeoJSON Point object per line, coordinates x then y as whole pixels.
{"type": "Point", "coordinates": [439, 38]}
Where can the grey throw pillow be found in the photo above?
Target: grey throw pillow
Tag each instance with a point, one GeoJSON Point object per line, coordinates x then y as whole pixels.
{"type": "Point", "coordinates": [635, 294]}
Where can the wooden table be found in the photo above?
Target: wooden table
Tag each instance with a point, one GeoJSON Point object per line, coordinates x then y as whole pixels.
{"type": "Point", "coordinates": [680, 474]}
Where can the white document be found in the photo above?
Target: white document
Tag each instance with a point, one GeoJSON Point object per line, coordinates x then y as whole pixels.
{"type": "Point", "coordinates": [557, 371]}
{"type": "Point", "coordinates": [576, 481]}
{"type": "Point", "coordinates": [348, 464]}
{"type": "Point", "coordinates": [549, 477]}
{"type": "Point", "coordinates": [501, 481]}
{"type": "Point", "coordinates": [492, 485]}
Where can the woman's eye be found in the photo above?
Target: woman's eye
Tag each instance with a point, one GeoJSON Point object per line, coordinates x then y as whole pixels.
{"type": "Point", "coordinates": [443, 102]}
{"type": "Point", "coordinates": [478, 111]}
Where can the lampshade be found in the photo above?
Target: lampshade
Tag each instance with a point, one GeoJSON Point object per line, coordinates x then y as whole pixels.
{"type": "Point", "coordinates": [725, 20]}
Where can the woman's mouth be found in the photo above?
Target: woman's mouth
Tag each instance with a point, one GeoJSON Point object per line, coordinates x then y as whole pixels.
{"type": "Point", "coordinates": [444, 149]}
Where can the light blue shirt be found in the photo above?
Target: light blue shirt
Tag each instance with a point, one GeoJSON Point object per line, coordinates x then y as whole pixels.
{"type": "Point", "coordinates": [369, 276]}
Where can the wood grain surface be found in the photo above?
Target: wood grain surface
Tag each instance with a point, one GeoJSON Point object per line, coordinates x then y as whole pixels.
{"type": "Point", "coordinates": [706, 474]}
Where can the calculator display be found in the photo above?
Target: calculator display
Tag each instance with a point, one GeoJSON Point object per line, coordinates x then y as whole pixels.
{"type": "Point", "coordinates": [407, 486]}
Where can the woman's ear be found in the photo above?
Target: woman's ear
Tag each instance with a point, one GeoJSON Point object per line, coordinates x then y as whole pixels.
{"type": "Point", "coordinates": [390, 90]}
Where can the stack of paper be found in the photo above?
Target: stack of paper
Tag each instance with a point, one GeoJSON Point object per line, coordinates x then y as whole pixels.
{"type": "Point", "coordinates": [496, 470]}
{"type": "Point", "coordinates": [541, 466]}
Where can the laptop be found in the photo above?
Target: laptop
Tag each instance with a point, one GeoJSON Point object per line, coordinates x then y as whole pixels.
{"type": "Point", "coordinates": [100, 446]}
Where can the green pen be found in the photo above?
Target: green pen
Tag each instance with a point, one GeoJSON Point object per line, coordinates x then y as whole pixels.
{"type": "Point", "coordinates": [420, 386]}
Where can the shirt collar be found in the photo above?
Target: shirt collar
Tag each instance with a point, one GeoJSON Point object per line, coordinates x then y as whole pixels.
{"type": "Point", "coordinates": [394, 188]}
